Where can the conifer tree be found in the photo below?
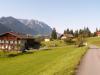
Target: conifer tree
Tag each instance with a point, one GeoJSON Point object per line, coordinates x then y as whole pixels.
{"type": "Point", "coordinates": [54, 34]}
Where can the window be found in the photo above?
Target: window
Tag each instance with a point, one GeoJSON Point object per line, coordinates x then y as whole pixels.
{"type": "Point", "coordinates": [19, 42]}
{"type": "Point", "coordinates": [7, 41]}
{"type": "Point", "coordinates": [6, 46]}
{"type": "Point", "coordinates": [15, 42]}
{"type": "Point", "coordinates": [0, 46]}
{"type": "Point", "coordinates": [3, 47]}
{"type": "Point", "coordinates": [2, 41]}
{"type": "Point", "coordinates": [9, 47]}
{"type": "Point", "coordinates": [11, 42]}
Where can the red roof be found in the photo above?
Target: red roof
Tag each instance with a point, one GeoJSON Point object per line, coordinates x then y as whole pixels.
{"type": "Point", "coordinates": [19, 35]}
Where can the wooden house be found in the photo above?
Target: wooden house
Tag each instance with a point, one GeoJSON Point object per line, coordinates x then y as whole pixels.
{"type": "Point", "coordinates": [46, 38]}
{"type": "Point", "coordinates": [66, 36]}
{"type": "Point", "coordinates": [12, 41]}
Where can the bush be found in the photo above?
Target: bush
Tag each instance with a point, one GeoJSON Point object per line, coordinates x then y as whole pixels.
{"type": "Point", "coordinates": [53, 43]}
{"type": "Point", "coordinates": [69, 41]}
{"type": "Point", "coordinates": [80, 41]}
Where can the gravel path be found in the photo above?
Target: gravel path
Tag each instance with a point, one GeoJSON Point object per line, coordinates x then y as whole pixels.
{"type": "Point", "coordinates": [90, 64]}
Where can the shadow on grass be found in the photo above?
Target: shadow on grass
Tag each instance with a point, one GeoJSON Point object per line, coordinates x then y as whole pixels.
{"type": "Point", "coordinates": [14, 54]}
{"type": "Point", "coordinates": [18, 54]}
{"type": "Point", "coordinates": [47, 49]}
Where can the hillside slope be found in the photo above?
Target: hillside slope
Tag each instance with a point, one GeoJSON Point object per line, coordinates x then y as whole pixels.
{"type": "Point", "coordinates": [3, 29]}
{"type": "Point", "coordinates": [39, 27]}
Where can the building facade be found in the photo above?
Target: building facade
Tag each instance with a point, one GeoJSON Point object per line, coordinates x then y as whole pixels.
{"type": "Point", "coordinates": [12, 41]}
{"type": "Point", "coordinates": [66, 36]}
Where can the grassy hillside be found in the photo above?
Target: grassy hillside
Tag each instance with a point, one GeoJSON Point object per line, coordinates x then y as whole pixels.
{"type": "Point", "coordinates": [56, 61]}
{"type": "Point", "coordinates": [94, 40]}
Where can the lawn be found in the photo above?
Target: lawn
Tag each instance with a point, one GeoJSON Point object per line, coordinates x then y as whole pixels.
{"type": "Point", "coordinates": [55, 61]}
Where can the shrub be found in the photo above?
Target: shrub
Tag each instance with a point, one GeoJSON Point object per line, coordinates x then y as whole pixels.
{"type": "Point", "coordinates": [80, 41]}
{"type": "Point", "coordinates": [53, 43]}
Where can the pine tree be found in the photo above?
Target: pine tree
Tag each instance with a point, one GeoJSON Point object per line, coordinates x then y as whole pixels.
{"type": "Point", "coordinates": [68, 31]}
{"type": "Point", "coordinates": [97, 30]}
{"type": "Point", "coordinates": [54, 34]}
{"type": "Point", "coordinates": [65, 32]}
{"type": "Point", "coordinates": [71, 32]}
{"type": "Point", "coordinates": [81, 32]}
{"type": "Point", "coordinates": [76, 33]}
{"type": "Point", "coordinates": [87, 32]}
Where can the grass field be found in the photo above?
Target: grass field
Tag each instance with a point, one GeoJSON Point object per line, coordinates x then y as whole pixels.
{"type": "Point", "coordinates": [56, 61]}
{"type": "Point", "coordinates": [94, 41]}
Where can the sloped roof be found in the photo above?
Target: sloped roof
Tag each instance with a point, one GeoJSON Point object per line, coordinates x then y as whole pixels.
{"type": "Point", "coordinates": [19, 35]}
{"type": "Point", "coordinates": [67, 35]}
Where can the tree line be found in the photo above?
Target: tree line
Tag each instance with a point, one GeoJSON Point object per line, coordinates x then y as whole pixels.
{"type": "Point", "coordinates": [81, 32]}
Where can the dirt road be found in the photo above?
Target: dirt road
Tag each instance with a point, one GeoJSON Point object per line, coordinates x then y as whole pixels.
{"type": "Point", "coordinates": [90, 64]}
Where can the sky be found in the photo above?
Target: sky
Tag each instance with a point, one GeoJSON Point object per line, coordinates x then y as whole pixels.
{"type": "Point", "coordinates": [61, 14]}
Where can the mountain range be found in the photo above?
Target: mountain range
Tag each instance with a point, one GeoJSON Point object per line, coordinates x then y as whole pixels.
{"type": "Point", "coordinates": [33, 27]}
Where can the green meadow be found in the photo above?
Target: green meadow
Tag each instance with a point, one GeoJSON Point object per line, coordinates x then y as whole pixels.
{"type": "Point", "coordinates": [54, 61]}
{"type": "Point", "coordinates": [94, 41]}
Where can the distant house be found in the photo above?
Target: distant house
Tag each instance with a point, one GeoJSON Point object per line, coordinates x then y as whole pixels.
{"type": "Point", "coordinates": [98, 34]}
{"type": "Point", "coordinates": [65, 36]}
{"type": "Point", "coordinates": [46, 38]}
{"type": "Point", "coordinates": [12, 41]}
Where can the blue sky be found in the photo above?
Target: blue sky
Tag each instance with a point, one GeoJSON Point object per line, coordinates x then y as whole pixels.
{"type": "Point", "coordinates": [61, 14]}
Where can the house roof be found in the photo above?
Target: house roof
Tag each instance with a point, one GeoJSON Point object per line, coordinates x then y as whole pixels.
{"type": "Point", "coordinates": [67, 35]}
{"type": "Point", "coordinates": [18, 35]}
